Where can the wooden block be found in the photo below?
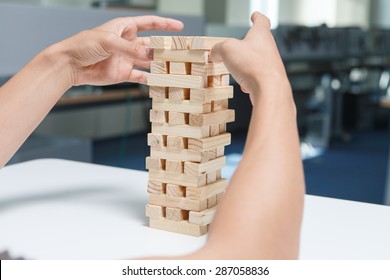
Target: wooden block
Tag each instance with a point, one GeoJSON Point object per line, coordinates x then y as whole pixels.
{"type": "Point", "coordinates": [177, 179]}
{"type": "Point", "coordinates": [220, 152]}
{"type": "Point", "coordinates": [222, 127]}
{"type": "Point", "coordinates": [181, 130]}
{"type": "Point", "coordinates": [176, 214]}
{"type": "Point", "coordinates": [204, 43]}
{"type": "Point", "coordinates": [218, 80]}
{"type": "Point", "coordinates": [155, 211]}
{"type": "Point", "coordinates": [180, 68]}
{"type": "Point", "coordinates": [204, 217]}
{"type": "Point", "coordinates": [157, 116]}
{"type": "Point", "coordinates": [182, 155]}
{"type": "Point", "coordinates": [177, 202]}
{"type": "Point", "coordinates": [174, 166]}
{"type": "Point", "coordinates": [156, 187]}
{"type": "Point", "coordinates": [220, 197]}
{"type": "Point", "coordinates": [193, 168]}
{"type": "Point", "coordinates": [159, 67]}
{"type": "Point", "coordinates": [211, 177]}
{"type": "Point", "coordinates": [176, 190]}
{"type": "Point", "coordinates": [209, 143]}
{"type": "Point", "coordinates": [157, 140]}
{"type": "Point", "coordinates": [181, 81]}
{"type": "Point", "coordinates": [160, 42]}
{"type": "Point", "coordinates": [158, 93]}
{"type": "Point", "coordinates": [178, 118]}
{"type": "Point", "coordinates": [214, 129]}
{"type": "Point", "coordinates": [185, 106]}
{"type": "Point", "coordinates": [169, 42]}
{"type": "Point", "coordinates": [219, 174]}
{"type": "Point", "coordinates": [208, 69]}
{"type": "Point", "coordinates": [177, 143]}
{"type": "Point", "coordinates": [182, 227]}
{"type": "Point", "coordinates": [205, 95]}
{"type": "Point", "coordinates": [209, 155]}
{"type": "Point", "coordinates": [219, 105]}
{"type": "Point", "coordinates": [178, 94]}
{"type": "Point", "coordinates": [213, 118]}
{"type": "Point", "coordinates": [212, 201]}
{"type": "Point", "coordinates": [155, 163]}
{"type": "Point", "coordinates": [200, 56]}
{"type": "Point", "coordinates": [207, 191]}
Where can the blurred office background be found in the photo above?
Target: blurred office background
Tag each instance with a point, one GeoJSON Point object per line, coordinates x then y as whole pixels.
{"type": "Point", "coordinates": [337, 56]}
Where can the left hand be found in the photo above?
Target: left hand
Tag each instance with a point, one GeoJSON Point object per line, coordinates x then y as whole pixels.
{"type": "Point", "coordinates": [108, 53]}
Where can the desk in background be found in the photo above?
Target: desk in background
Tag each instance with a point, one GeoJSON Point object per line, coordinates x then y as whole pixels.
{"type": "Point", "coordinates": [58, 209]}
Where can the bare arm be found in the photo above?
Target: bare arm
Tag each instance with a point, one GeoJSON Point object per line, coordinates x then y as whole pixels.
{"type": "Point", "coordinates": [260, 215]}
{"type": "Point", "coordinates": [104, 55]}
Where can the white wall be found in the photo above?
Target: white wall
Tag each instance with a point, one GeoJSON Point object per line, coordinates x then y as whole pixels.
{"type": "Point", "coordinates": [184, 7]}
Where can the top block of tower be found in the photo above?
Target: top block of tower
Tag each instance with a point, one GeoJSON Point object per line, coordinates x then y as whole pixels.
{"type": "Point", "coordinates": [184, 42]}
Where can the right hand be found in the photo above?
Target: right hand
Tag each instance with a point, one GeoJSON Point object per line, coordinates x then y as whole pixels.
{"type": "Point", "coordinates": [254, 62]}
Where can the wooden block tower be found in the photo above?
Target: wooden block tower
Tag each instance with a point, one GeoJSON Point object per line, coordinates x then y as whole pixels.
{"type": "Point", "coordinates": [189, 115]}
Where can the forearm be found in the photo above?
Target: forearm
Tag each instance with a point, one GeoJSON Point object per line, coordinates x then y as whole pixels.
{"type": "Point", "coordinates": [27, 98]}
{"type": "Point", "coordinates": [260, 215]}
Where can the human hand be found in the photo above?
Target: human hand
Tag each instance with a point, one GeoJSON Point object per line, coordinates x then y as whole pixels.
{"type": "Point", "coordinates": [108, 53]}
{"type": "Point", "coordinates": [254, 62]}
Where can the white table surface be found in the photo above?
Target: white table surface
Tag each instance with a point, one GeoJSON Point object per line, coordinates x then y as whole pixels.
{"type": "Point", "coordinates": [57, 209]}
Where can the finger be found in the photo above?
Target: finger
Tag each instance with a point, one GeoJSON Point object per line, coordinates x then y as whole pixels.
{"type": "Point", "coordinates": [216, 53]}
{"type": "Point", "coordinates": [258, 19]}
{"type": "Point", "coordinates": [157, 23]}
{"type": "Point", "coordinates": [142, 64]}
{"type": "Point", "coordinates": [138, 76]}
{"type": "Point", "coordinates": [118, 45]}
{"type": "Point", "coordinates": [260, 23]}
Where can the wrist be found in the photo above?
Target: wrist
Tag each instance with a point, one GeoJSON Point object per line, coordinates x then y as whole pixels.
{"type": "Point", "coordinates": [56, 59]}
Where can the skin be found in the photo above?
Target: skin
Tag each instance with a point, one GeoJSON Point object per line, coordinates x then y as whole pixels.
{"type": "Point", "coordinates": [261, 214]}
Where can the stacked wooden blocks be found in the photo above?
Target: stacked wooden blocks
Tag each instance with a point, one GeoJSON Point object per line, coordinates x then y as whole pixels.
{"type": "Point", "coordinates": [189, 115]}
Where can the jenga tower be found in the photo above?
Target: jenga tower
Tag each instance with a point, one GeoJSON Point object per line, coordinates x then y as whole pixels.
{"type": "Point", "coordinates": [189, 115]}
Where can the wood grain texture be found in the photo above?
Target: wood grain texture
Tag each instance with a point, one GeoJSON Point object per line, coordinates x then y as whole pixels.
{"type": "Point", "coordinates": [177, 202]}
{"type": "Point", "coordinates": [199, 56]}
{"type": "Point", "coordinates": [211, 177]}
{"type": "Point", "coordinates": [207, 95]}
{"type": "Point", "coordinates": [178, 118]}
{"type": "Point", "coordinates": [218, 80]}
{"type": "Point", "coordinates": [174, 166]}
{"type": "Point", "coordinates": [177, 143]}
{"type": "Point", "coordinates": [193, 168]}
{"type": "Point", "coordinates": [155, 163]}
{"type": "Point", "coordinates": [176, 154]}
{"type": "Point", "coordinates": [180, 68]}
{"type": "Point", "coordinates": [207, 191]}
{"type": "Point", "coordinates": [157, 116]}
{"type": "Point", "coordinates": [177, 95]}
{"type": "Point", "coordinates": [156, 187]}
{"type": "Point", "coordinates": [175, 190]}
{"type": "Point", "coordinates": [184, 107]}
{"type": "Point", "coordinates": [212, 201]}
{"type": "Point", "coordinates": [208, 69]}
{"type": "Point", "coordinates": [158, 93]}
{"type": "Point", "coordinates": [160, 42]}
{"type": "Point", "coordinates": [180, 81]}
{"type": "Point", "coordinates": [213, 118]}
{"type": "Point", "coordinates": [154, 211]}
{"type": "Point", "coordinates": [157, 140]}
{"type": "Point", "coordinates": [182, 227]}
{"type": "Point", "coordinates": [204, 43]}
{"type": "Point", "coordinates": [159, 67]}
{"type": "Point", "coordinates": [219, 105]}
{"type": "Point", "coordinates": [181, 130]}
{"type": "Point", "coordinates": [204, 217]}
{"type": "Point", "coordinates": [177, 179]}
{"type": "Point", "coordinates": [176, 214]}
{"type": "Point", "coordinates": [209, 143]}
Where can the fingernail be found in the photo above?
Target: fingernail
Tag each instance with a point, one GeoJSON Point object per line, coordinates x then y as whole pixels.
{"type": "Point", "coordinates": [149, 53]}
